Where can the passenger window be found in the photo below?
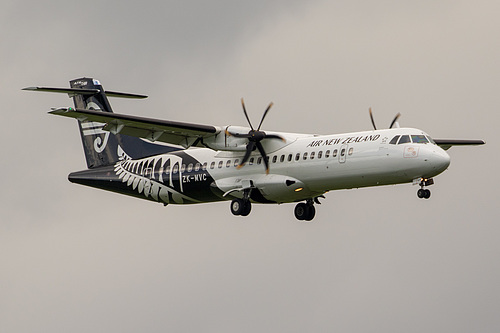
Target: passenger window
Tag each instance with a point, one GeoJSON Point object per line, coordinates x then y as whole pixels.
{"type": "Point", "coordinates": [259, 160]}
{"type": "Point", "coordinates": [183, 168]}
{"type": "Point", "coordinates": [394, 140]}
{"type": "Point", "coordinates": [404, 139]}
{"type": "Point", "coordinates": [304, 157]}
{"type": "Point", "coordinates": [327, 154]}
{"type": "Point", "coordinates": [320, 153]}
{"type": "Point", "coordinates": [342, 152]}
{"type": "Point", "coordinates": [334, 154]}
{"type": "Point", "coordinates": [236, 162]}
{"type": "Point", "coordinates": [282, 158]}
{"type": "Point", "coordinates": [175, 168]}
{"type": "Point", "coordinates": [419, 139]}
{"type": "Point", "coordinates": [351, 150]}
{"type": "Point", "coordinates": [190, 167]}
{"type": "Point", "coordinates": [220, 164]}
{"type": "Point", "coordinates": [197, 167]}
{"type": "Point", "coordinates": [228, 163]}
{"type": "Point", "coordinates": [312, 155]}
{"type": "Point", "coordinates": [289, 157]}
{"type": "Point", "coordinates": [251, 161]}
{"type": "Point", "coordinates": [204, 166]}
{"type": "Point", "coordinates": [212, 165]}
{"type": "Point", "coordinates": [297, 157]}
{"type": "Point", "coordinates": [167, 170]}
{"type": "Point", "coordinates": [275, 158]}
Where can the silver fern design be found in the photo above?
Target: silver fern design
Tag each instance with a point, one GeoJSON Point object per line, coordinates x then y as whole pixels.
{"type": "Point", "coordinates": [158, 178]}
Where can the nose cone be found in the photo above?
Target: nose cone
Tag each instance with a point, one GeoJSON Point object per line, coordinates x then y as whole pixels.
{"type": "Point", "coordinates": [440, 160]}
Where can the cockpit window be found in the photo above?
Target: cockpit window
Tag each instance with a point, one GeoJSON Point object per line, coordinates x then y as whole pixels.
{"type": "Point", "coordinates": [419, 139]}
{"type": "Point", "coordinates": [404, 139]}
{"type": "Point", "coordinates": [394, 140]}
{"type": "Point", "coordinates": [430, 140]}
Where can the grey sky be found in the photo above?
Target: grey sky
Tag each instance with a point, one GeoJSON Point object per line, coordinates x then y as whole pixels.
{"type": "Point", "coordinates": [374, 260]}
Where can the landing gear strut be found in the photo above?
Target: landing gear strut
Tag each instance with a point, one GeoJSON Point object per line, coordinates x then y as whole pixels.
{"type": "Point", "coordinates": [305, 211]}
{"type": "Point", "coordinates": [424, 193]}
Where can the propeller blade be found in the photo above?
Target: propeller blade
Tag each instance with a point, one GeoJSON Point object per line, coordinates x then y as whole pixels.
{"type": "Point", "coordinates": [371, 117]}
{"type": "Point", "coordinates": [246, 114]}
{"type": "Point", "coordinates": [264, 155]}
{"type": "Point", "coordinates": [264, 115]}
{"type": "Point", "coordinates": [250, 147]}
{"type": "Point", "coordinates": [274, 136]}
{"type": "Point", "coordinates": [395, 119]}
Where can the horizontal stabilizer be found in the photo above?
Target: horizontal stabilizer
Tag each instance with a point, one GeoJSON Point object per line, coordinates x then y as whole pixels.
{"type": "Point", "coordinates": [123, 95]}
{"type": "Point", "coordinates": [79, 91]}
{"type": "Point", "coordinates": [448, 143]}
{"type": "Point", "coordinates": [69, 91]}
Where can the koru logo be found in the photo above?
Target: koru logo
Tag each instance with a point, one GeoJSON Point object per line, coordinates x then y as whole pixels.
{"type": "Point", "coordinates": [99, 143]}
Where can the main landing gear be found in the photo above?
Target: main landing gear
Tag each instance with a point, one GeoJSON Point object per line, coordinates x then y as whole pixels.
{"type": "Point", "coordinates": [424, 193]}
{"type": "Point", "coordinates": [241, 207]}
{"type": "Point", "coordinates": [305, 211]}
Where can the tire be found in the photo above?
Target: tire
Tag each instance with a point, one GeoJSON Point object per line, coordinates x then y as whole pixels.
{"type": "Point", "coordinates": [427, 194]}
{"type": "Point", "coordinates": [311, 212]}
{"type": "Point", "coordinates": [301, 211]}
{"type": "Point", "coordinates": [421, 193]}
{"type": "Point", "coordinates": [237, 206]}
{"type": "Point", "coordinates": [247, 208]}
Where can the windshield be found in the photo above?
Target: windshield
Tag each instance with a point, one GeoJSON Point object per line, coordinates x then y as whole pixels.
{"type": "Point", "coordinates": [419, 139]}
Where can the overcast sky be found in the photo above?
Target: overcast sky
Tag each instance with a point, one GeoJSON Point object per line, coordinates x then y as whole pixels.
{"type": "Point", "coordinates": [76, 259]}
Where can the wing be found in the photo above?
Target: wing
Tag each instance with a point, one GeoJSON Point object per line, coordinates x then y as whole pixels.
{"type": "Point", "coordinates": [177, 133]}
{"type": "Point", "coordinates": [448, 143]}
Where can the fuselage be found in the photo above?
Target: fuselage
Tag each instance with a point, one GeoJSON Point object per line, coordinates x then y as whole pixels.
{"type": "Point", "coordinates": [303, 167]}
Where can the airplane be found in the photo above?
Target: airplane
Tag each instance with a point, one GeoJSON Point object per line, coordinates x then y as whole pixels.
{"type": "Point", "coordinates": [172, 162]}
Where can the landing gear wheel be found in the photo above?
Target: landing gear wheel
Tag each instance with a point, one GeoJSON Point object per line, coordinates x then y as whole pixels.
{"type": "Point", "coordinates": [241, 207]}
{"type": "Point", "coordinates": [247, 208]}
{"type": "Point", "coordinates": [237, 206]}
{"type": "Point", "coordinates": [424, 193]}
{"type": "Point", "coordinates": [311, 212]}
{"type": "Point", "coordinates": [300, 211]}
{"type": "Point", "coordinates": [304, 212]}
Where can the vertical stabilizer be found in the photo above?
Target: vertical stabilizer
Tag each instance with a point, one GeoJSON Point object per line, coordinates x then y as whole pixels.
{"type": "Point", "coordinates": [101, 147]}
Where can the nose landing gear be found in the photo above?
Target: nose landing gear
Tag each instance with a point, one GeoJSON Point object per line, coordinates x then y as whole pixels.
{"type": "Point", "coordinates": [424, 193]}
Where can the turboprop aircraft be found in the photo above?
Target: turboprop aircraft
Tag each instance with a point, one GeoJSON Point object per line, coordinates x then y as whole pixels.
{"type": "Point", "coordinates": [182, 163]}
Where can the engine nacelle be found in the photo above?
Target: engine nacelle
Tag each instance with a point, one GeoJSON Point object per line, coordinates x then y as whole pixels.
{"type": "Point", "coordinates": [225, 141]}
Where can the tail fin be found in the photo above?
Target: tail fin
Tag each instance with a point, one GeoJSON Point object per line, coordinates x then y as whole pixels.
{"type": "Point", "coordinates": [101, 147]}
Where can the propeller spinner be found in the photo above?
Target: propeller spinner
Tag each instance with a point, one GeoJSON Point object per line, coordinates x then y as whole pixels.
{"type": "Point", "coordinates": [255, 136]}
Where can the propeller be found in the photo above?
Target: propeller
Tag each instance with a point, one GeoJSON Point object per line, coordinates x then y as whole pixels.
{"type": "Point", "coordinates": [373, 121]}
{"type": "Point", "coordinates": [255, 136]}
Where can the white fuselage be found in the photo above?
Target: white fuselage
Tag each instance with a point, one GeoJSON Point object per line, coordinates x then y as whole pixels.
{"type": "Point", "coordinates": [317, 164]}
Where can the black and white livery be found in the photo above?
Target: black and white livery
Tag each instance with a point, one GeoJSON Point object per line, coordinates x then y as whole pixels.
{"type": "Point", "coordinates": [182, 163]}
